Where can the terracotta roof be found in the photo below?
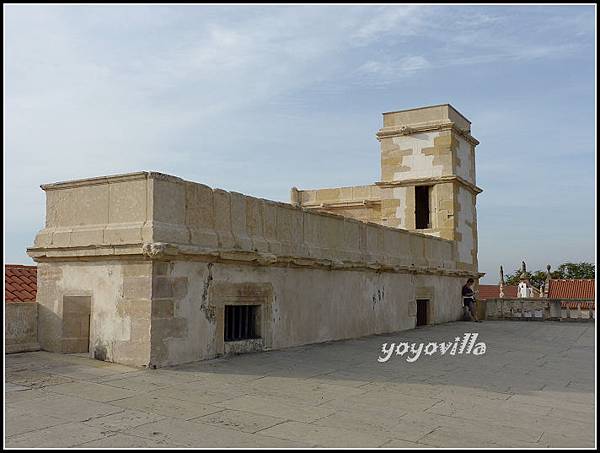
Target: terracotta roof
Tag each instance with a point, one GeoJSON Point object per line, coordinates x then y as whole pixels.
{"type": "Point", "coordinates": [20, 283]}
{"type": "Point", "coordinates": [572, 289]}
{"type": "Point", "coordinates": [493, 291]}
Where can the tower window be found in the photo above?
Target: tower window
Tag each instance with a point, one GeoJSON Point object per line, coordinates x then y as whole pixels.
{"type": "Point", "coordinates": [422, 220]}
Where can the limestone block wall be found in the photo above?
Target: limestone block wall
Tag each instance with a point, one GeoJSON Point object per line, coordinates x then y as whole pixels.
{"type": "Point", "coordinates": [20, 327]}
{"type": "Point", "coordinates": [426, 116]}
{"type": "Point", "coordinates": [358, 202]}
{"type": "Point", "coordinates": [197, 220]}
{"type": "Point", "coordinates": [111, 211]}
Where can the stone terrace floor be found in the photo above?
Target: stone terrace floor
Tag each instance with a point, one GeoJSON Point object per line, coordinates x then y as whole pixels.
{"type": "Point", "coordinates": [533, 388]}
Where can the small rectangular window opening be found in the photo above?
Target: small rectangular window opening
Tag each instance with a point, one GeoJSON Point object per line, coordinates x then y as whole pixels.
{"type": "Point", "coordinates": [241, 322]}
{"type": "Point", "coordinates": [422, 220]}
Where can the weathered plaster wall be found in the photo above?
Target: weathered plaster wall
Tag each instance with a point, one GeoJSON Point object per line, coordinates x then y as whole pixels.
{"type": "Point", "coordinates": [120, 298]}
{"type": "Point", "coordinates": [20, 327]}
{"type": "Point", "coordinates": [304, 309]}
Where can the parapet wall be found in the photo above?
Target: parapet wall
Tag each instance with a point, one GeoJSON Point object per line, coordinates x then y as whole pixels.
{"type": "Point", "coordinates": [155, 214]}
{"type": "Point", "coordinates": [357, 202]}
{"type": "Point", "coordinates": [20, 325]}
{"type": "Point", "coordinates": [539, 309]}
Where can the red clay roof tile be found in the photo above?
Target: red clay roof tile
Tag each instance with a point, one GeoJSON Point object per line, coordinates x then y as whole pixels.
{"type": "Point", "coordinates": [20, 283]}
{"type": "Point", "coordinates": [572, 289]}
{"type": "Point", "coordinates": [493, 291]}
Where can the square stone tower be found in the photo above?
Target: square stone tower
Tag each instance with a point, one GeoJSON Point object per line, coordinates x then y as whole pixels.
{"type": "Point", "coordinates": [427, 180]}
{"type": "Point", "coordinates": [428, 176]}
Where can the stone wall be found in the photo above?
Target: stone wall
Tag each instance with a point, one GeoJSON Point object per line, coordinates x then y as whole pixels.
{"type": "Point", "coordinates": [20, 327]}
{"type": "Point", "coordinates": [358, 202]}
{"type": "Point", "coordinates": [172, 217]}
{"type": "Point", "coordinates": [538, 309]}
{"type": "Point", "coordinates": [157, 258]}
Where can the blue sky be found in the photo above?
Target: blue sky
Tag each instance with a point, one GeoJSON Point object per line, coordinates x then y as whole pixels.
{"type": "Point", "coordinates": [260, 99]}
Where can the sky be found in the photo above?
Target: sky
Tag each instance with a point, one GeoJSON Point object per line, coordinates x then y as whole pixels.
{"type": "Point", "coordinates": [257, 99]}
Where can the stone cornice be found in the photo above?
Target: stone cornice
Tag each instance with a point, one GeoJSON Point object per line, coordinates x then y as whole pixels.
{"type": "Point", "coordinates": [161, 251]}
{"type": "Point", "coordinates": [108, 180]}
{"type": "Point", "coordinates": [395, 131]}
{"type": "Point", "coordinates": [432, 180]}
{"type": "Point", "coordinates": [343, 204]}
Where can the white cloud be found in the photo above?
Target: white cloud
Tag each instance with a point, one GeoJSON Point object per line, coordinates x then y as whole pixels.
{"type": "Point", "coordinates": [102, 89]}
{"type": "Point", "coordinates": [389, 71]}
{"type": "Point", "coordinates": [391, 20]}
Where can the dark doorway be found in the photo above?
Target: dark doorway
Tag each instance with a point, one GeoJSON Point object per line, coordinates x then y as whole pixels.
{"type": "Point", "coordinates": [422, 308]}
{"type": "Point", "coordinates": [422, 207]}
{"type": "Point", "coordinates": [241, 322]}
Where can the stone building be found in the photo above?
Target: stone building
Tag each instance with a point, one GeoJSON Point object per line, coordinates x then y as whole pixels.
{"type": "Point", "coordinates": [148, 269]}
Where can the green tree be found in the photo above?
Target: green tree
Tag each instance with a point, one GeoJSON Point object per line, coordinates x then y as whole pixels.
{"type": "Point", "coordinates": [576, 271]}
{"type": "Point", "coordinates": [565, 270]}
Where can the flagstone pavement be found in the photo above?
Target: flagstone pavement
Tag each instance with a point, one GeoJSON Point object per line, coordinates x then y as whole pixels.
{"type": "Point", "coordinates": [534, 387]}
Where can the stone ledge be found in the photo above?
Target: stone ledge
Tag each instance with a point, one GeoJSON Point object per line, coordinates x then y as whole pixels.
{"type": "Point", "coordinates": [109, 179]}
{"type": "Point", "coordinates": [343, 204]}
{"type": "Point", "coordinates": [167, 251]}
{"type": "Point", "coordinates": [431, 180]}
{"type": "Point", "coordinates": [395, 131]}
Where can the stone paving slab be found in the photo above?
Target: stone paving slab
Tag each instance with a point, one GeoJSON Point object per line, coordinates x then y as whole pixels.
{"type": "Point", "coordinates": [91, 391]}
{"type": "Point", "coordinates": [190, 434]}
{"type": "Point", "coordinates": [247, 422]}
{"type": "Point", "coordinates": [534, 387]}
{"type": "Point", "coordinates": [121, 440]}
{"type": "Point", "coordinates": [121, 421]}
{"type": "Point", "coordinates": [158, 404]}
{"type": "Point", "coordinates": [323, 436]}
{"type": "Point", "coordinates": [65, 435]}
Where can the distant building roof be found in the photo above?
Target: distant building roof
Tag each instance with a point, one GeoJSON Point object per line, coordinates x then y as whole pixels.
{"type": "Point", "coordinates": [20, 283]}
{"type": "Point", "coordinates": [493, 291]}
{"type": "Point", "coordinates": [574, 305]}
{"type": "Point", "coordinates": [571, 289]}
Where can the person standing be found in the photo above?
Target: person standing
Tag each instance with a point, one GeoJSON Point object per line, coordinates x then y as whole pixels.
{"type": "Point", "coordinates": [469, 299]}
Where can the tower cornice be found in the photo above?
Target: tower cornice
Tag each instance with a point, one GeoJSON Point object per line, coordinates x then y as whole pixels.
{"type": "Point", "coordinates": [430, 181]}
{"type": "Point", "coordinates": [396, 131]}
